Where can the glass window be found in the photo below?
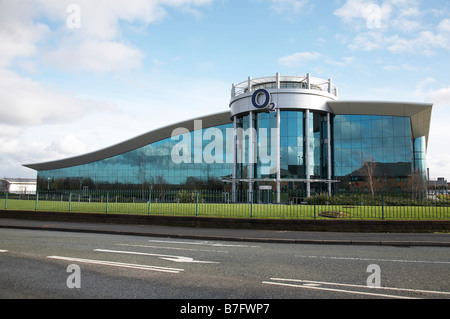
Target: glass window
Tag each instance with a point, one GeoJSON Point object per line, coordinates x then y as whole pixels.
{"type": "Point", "coordinates": [385, 139]}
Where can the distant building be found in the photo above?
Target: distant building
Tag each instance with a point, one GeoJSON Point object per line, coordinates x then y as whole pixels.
{"type": "Point", "coordinates": [439, 184]}
{"type": "Point", "coordinates": [18, 185]}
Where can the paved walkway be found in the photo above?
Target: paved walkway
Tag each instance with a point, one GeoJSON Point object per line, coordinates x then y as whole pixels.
{"type": "Point", "coordinates": [297, 237]}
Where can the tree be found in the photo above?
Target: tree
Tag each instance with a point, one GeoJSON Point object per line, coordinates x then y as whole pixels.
{"type": "Point", "coordinates": [417, 184]}
{"type": "Point", "coordinates": [369, 167]}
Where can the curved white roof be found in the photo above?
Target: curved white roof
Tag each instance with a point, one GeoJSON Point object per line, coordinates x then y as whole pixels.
{"type": "Point", "coordinates": [134, 143]}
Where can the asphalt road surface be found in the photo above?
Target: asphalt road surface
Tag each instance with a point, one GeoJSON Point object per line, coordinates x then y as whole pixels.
{"type": "Point", "coordinates": [60, 265]}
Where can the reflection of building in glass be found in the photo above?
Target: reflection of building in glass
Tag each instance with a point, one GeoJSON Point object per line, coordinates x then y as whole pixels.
{"type": "Point", "coordinates": [305, 141]}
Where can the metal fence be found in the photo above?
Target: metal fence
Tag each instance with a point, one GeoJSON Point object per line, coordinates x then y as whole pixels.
{"type": "Point", "coordinates": [296, 205]}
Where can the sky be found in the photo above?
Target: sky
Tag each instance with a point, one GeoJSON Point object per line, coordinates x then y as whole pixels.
{"type": "Point", "coordinates": [80, 75]}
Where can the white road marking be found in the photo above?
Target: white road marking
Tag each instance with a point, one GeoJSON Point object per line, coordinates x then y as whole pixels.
{"type": "Point", "coordinates": [118, 264]}
{"type": "Point", "coordinates": [335, 290]}
{"type": "Point", "coordinates": [375, 259]}
{"type": "Point", "coordinates": [3, 251]}
{"type": "Point", "coordinates": [204, 243]}
{"type": "Point", "coordinates": [179, 259]}
{"type": "Point", "coordinates": [175, 248]}
{"type": "Point", "coordinates": [310, 283]}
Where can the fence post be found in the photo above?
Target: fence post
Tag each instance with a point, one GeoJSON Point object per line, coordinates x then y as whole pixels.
{"type": "Point", "coordinates": [107, 202]}
{"type": "Point", "coordinates": [70, 202]}
{"type": "Point", "coordinates": [314, 202]}
{"type": "Point", "coordinates": [149, 201]}
{"type": "Point", "coordinates": [251, 204]}
{"type": "Point", "coordinates": [37, 199]}
{"type": "Point", "coordinates": [382, 206]}
{"type": "Point", "coordinates": [6, 201]}
{"type": "Point", "coordinates": [196, 206]}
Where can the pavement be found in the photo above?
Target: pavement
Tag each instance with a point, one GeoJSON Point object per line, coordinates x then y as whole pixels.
{"type": "Point", "coordinates": [247, 235]}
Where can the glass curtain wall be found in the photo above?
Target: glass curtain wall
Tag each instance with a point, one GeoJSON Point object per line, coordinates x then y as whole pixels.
{"type": "Point", "coordinates": [420, 155]}
{"type": "Point", "coordinates": [379, 143]}
{"type": "Point", "coordinates": [292, 150]}
{"type": "Point", "coordinates": [149, 166]}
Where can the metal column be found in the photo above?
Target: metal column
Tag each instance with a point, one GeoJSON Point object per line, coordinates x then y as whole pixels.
{"type": "Point", "coordinates": [251, 151]}
{"type": "Point", "coordinates": [329, 152]}
{"type": "Point", "coordinates": [233, 183]}
{"type": "Point", "coordinates": [278, 156]}
{"type": "Point", "coordinates": [307, 155]}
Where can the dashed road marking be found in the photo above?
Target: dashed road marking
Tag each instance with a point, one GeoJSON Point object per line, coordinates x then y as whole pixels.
{"type": "Point", "coordinates": [334, 290]}
{"type": "Point", "coordinates": [175, 248]}
{"type": "Point", "coordinates": [376, 259]}
{"type": "Point", "coordinates": [205, 243]}
{"type": "Point", "coordinates": [118, 264]}
{"type": "Point", "coordinates": [179, 259]}
{"type": "Point", "coordinates": [311, 284]}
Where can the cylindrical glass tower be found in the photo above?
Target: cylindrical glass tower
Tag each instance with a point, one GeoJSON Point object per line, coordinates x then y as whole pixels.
{"type": "Point", "coordinates": [282, 135]}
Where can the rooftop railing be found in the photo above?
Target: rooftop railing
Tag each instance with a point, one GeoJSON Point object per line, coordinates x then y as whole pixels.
{"type": "Point", "coordinates": [284, 82]}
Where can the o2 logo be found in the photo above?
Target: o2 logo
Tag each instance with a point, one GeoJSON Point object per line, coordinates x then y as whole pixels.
{"type": "Point", "coordinates": [266, 101]}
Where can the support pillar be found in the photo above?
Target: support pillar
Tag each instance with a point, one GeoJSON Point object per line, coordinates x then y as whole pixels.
{"type": "Point", "coordinates": [278, 156]}
{"type": "Point", "coordinates": [307, 155]}
{"type": "Point", "coordinates": [251, 152]}
{"type": "Point", "coordinates": [329, 153]}
{"type": "Point", "coordinates": [233, 183]}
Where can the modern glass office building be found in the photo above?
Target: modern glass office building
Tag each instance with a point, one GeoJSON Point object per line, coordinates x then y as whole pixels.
{"type": "Point", "coordinates": [280, 134]}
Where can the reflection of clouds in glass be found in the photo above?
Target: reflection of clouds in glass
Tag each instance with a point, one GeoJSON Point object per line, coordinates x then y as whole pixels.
{"type": "Point", "coordinates": [357, 138]}
{"type": "Point", "coordinates": [145, 165]}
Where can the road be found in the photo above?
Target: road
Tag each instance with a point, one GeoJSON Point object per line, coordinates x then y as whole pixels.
{"type": "Point", "coordinates": [60, 265]}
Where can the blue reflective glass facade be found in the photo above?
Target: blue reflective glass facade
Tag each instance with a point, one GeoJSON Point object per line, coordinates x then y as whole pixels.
{"type": "Point", "coordinates": [355, 140]}
{"type": "Point", "coordinates": [382, 142]}
{"type": "Point", "coordinates": [148, 166]}
{"type": "Point", "coordinates": [292, 145]}
{"type": "Point", "coordinates": [300, 133]}
{"type": "Point", "coordinates": [420, 154]}
{"type": "Point", "coordinates": [361, 138]}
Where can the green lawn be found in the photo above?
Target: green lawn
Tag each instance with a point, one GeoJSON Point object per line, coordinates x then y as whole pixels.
{"type": "Point", "coordinates": [237, 210]}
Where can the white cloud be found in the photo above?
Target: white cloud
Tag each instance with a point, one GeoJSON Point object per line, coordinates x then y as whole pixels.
{"type": "Point", "coordinates": [24, 102]}
{"type": "Point", "coordinates": [96, 56]}
{"type": "Point", "coordinates": [401, 27]}
{"type": "Point", "coordinates": [291, 6]}
{"type": "Point", "coordinates": [367, 41]}
{"type": "Point", "coordinates": [444, 25]}
{"type": "Point", "coordinates": [97, 45]}
{"type": "Point", "coordinates": [438, 157]}
{"type": "Point", "coordinates": [298, 59]}
{"type": "Point", "coordinates": [19, 35]}
{"type": "Point", "coordinates": [440, 97]}
{"type": "Point", "coordinates": [424, 42]}
{"type": "Point", "coordinates": [402, 66]}
{"type": "Point", "coordinates": [36, 119]}
{"type": "Point", "coordinates": [364, 14]}
{"type": "Point", "coordinates": [68, 145]}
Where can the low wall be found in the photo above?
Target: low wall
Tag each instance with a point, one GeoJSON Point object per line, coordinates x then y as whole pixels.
{"type": "Point", "coordinates": [335, 225]}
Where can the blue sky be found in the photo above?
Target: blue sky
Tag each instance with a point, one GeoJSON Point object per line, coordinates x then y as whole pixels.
{"type": "Point", "coordinates": [73, 82]}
